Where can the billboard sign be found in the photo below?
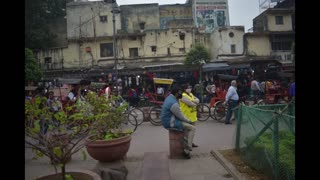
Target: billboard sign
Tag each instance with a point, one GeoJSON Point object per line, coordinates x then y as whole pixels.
{"type": "Point", "coordinates": [210, 14]}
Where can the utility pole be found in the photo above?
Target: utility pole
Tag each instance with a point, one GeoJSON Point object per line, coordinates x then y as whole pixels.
{"type": "Point", "coordinates": [114, 3]}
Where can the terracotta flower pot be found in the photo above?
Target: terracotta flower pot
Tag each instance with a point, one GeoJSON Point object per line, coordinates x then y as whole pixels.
{"type": "Point", "coordinates": [110, 150]}
{"type": "Point", "coordinates": [76, 174]}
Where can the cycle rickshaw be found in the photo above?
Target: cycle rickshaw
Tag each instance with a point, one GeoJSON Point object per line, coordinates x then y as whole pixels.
{"type": "Point", "coordinates": [158, 99]}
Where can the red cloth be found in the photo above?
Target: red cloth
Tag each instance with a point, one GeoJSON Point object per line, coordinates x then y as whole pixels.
{"type": "Point", "coordinates": [195, 74]}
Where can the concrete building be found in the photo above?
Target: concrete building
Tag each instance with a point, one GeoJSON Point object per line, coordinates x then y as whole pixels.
{"type": "Point", "coordinates": [227, 41]}
{"type": "Point", "coordinates": [273, 33]}
{"type": "Point", "coordinates": [140, 39]}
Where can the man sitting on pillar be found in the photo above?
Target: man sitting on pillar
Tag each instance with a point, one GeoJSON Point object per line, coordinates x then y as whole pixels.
{"type": "Point", "coordinates": [172, 117]}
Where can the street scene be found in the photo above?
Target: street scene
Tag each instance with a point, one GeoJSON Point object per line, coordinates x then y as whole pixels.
{"type": "Point", "coordinates": [158, 90]}
{"type": "Point", "coordinates": [149, 138]}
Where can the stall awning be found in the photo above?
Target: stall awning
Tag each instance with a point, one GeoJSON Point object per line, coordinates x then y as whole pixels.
{"type": "Point", "coordinates": [239, 66]}
{"type": "Point", "coordinates": [73, 81]}
{"type": "Point", "coordinates": [215, 67]}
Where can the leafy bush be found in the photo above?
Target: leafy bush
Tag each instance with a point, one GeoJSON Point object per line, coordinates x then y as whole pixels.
{"type": "Point", "coordinates": [264, 146]}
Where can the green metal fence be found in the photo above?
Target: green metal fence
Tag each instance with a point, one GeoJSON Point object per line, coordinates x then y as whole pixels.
{"type": "Point", "coordinates": [265, 138]}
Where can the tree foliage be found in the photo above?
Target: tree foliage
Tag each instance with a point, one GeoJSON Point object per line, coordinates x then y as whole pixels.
{"type": "Point", "coordinates": [31, 67]}
{"type": "Point", "coordinates": [197, 54]}
{"type": "Point", "coordinates": [38, 14]}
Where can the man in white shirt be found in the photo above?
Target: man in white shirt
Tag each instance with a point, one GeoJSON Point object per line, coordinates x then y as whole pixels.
{"type": "Point", "coordinates": [255, 87]}
{"type": "Point", "coordinates": [160, 90]}
{"type": "Point", "coordinates": [232, 99]}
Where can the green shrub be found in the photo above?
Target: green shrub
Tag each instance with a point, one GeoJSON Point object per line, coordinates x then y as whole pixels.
{"type": "Point", "coordinates": [263, 146]}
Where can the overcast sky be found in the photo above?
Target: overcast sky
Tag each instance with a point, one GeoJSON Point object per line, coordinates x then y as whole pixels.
{"type": "Point", "coordinates": [241, 12]}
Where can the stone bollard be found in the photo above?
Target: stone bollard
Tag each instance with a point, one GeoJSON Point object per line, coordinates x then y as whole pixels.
{"type": "Point", "coordinates": [176, 143]}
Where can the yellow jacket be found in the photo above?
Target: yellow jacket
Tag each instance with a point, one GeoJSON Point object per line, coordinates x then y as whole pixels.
{"type": "Point", "coordinates": [188, 106]}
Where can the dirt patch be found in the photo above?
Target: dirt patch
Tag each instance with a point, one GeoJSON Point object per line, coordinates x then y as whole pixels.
{"type": "Point", "coordinates": [234, 158]}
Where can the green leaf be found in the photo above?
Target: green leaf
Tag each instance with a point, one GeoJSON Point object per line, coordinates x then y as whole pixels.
{"type": "Point", "coordinates": [39, 154]}
{"type": "Point", "coordinates": [68, 177]}
{"type": "Point", "coordinates": [108, 137]}
{"type": "Point", "coordinates": [84, 155]}
{"type": "Point", "coordinates": [57, 151]}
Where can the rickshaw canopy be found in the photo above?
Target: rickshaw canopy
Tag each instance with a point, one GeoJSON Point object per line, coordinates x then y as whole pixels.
{"type": "Point", "coordinates": [162, 81]}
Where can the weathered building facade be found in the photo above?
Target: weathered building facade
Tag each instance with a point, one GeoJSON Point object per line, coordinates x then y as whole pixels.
{"type": "Point", "coordinates": [145, 34]}
{"type": "Point", "coordinates": [227, 41]}
{"type": "Point", "coordinates": [276, 27]}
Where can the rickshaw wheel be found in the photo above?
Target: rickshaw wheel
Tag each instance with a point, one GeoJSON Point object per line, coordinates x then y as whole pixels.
{"type": "Point", "coordinates": [203, 112]}
{"type": "Point", "coordinates": [154, 115]}
{"type": "Point", "coordinates": [219, 112]}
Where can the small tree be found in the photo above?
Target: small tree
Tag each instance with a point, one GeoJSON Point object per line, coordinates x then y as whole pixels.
{"type": "Point", "coordinates": [64, 136]}
{"type": "Point", "coordinates": [196, 55]}
{"type": "Point", "coordinates": [31, 67]}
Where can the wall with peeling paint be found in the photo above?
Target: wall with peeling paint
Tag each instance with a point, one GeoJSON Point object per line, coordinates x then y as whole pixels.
{"type": "Point", "coordinates": [169, 13]}
{"type": "Point", "coordinates": [89, 14]}
{"type": "Point", "coordinates": [221, 40]}
{"type": "Point", "coordinates": [286, 26]}
{"type": "Point", "coordinates": [133, 15]}
{"type": "Point", "coordinates": [162, 39]}
{"type": "Point", "coordinates": [258, 45]}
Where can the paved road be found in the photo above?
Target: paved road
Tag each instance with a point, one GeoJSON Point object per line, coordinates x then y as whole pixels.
{"type": "Point", "coordinates": [149, 138]}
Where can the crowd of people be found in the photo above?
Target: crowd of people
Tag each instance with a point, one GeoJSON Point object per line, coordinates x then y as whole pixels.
{"type": "Point", "coordinates": [179, 107]}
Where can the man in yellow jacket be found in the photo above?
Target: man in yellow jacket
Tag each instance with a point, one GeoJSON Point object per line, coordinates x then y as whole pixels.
{"type": "Point", "coordinates": [188, 104]}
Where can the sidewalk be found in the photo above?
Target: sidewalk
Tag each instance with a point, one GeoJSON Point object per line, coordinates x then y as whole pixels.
{"type": "Point", "coordinates": [149, 138]}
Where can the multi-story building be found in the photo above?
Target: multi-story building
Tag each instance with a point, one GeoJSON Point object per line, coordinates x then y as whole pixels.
{"type": "Point", "coordinates": [271, 42]}
{"type": "Point", "coordinates": [144, 36]}
{"type": "Point", "coordinates": [273, 33]}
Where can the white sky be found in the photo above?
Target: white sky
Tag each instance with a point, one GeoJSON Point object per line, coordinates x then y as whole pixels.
{"type": "Point", "coordinates": [241, 12]}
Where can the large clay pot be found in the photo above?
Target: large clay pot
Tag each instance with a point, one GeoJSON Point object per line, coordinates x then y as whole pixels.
{"type": "Point", "coordinates": [108, 151]}
{"type": "Point", "coordinates": [76, 174]}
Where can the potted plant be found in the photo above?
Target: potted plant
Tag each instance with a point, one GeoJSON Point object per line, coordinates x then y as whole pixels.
{"type": "Point", "coordinates": [109, 139]}
{"type": "Point", "coordinates": [56, 135]}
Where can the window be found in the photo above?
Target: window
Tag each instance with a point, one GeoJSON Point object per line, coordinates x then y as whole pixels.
{"type": "Point", "coordinates": [142, 25]}
{"type": "Point", "coordinates": [231, 34]}
{"type": "Point", "coordinates": [279, 19]}
{"type": "Point", "coordinates": [133, 38]}
{"type": "Point", "coordinates": [104, 18]}
{"type": "Point", "coordinates": [233, 48]}
{"type": "Point", "coordinates": [168, 50]}
{"type": "Point", "coordinates": [281, 43]}
{"type": "Point", "coordinates": [48, 60]}
{"type": "Point", "coordinates": [106, 50]}
{"type": "Point", "coordinates": [182, 35]}
{"type": "Point", "coordinates": [182, 49]}
{"type": "Point", "coordinates": [153, 48]}
{"type": "Point", "coordinates": [133, 52]}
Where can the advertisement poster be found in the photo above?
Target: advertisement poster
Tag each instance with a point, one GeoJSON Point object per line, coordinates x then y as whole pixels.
{"type": "Point", "coordinates": [211, 14]}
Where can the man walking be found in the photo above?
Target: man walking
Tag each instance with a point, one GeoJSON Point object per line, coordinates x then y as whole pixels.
{"type": "Point", "coordinates": [172, 117]}
{"type": "Point", "coordinates": [232, 99]}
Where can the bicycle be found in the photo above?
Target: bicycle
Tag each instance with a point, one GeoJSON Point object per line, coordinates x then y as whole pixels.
{"type": "Point", "coordinates": [203, 112]}
{"type": "Point", "coordinates": [138, 114]}
{"type": "Point", "coordinates": [154, 115]}
{"type": "Point", "coordinates": [130, 123]}
{"type": "Point", "coordinates": [221, 108]}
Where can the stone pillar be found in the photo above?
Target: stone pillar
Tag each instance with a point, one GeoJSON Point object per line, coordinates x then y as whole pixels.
{"type": "Point", "coordinates": [176, 144]}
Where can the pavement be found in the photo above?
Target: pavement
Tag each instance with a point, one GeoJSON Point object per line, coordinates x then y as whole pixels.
{"type": "Point", "coordinates": [210, 135]}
